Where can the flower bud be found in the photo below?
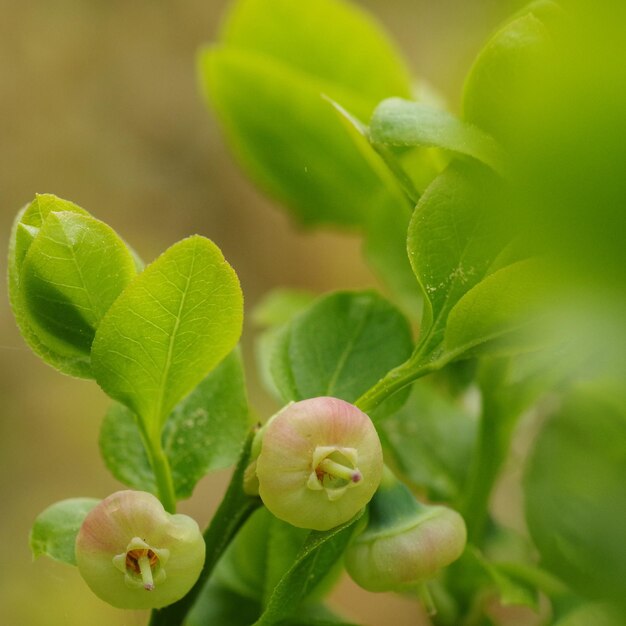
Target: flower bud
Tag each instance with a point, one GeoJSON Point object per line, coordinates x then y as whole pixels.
{"type": "Point", "coordinates": [405, 542]}
{"type": "Point", "coordinates": [135, 555]}
{"type": "Point", "coordinates": [320, 463]}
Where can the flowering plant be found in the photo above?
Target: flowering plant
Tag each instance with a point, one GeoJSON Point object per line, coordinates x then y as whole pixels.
{"type": "Point", "coordinates": [396, 412]}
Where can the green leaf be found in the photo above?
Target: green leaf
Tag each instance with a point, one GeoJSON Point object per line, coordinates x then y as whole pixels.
{"type": "Point", "coordinates": [504, 314]}
{"type": "Point", "coordinates": [430, 440]}
{"type": "Point", "coordinates": [55, 529]}
{"type": "Point", "coordinates": [283, 58]}
{"type": "Point", "coordinates": [574, 492]}
{"type": "Point", "coordinates": [298, 35]}
{"type": "Point", "coordinates": [596, 613]}
{"type": "Point", "coordinates": [203, 433]}
{"type": "Point", "coordinates": [73, 271]}
{"type": "Point", "coordinates": [25, 228]}
{"type": "Point", "coordinates": [340, 346]}
{"type": "Point", "coordinates": [220, 605]}
{"type": "Point", "coordinates": [496, 88]}
{"type": "Point", "coordinates": [260, 555]}
{"type": "Point", "coordinates": [263, 552]}
{"type": "Point", "coordinates": [168, 329]}
{"type": "Point", "coordinates": [402, 124]}
{"type": "Point", "coordinates": [319, 553]}
{"type": "Point", "coordinates": [274, 311]}
{"type": "Point", "coordinates": [455, 234]}
{"type": "Point", "coordinates": [290, 140]}
{"type": "Point", "coordinates": [386, 230]}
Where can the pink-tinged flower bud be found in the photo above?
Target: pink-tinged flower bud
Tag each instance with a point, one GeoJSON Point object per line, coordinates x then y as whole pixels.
{"type": "Point", "coordinates": [320, 463]}
{"type": "Point", "coordinates": [405, 542]}
{"type": "Point", "coordinates": [135, 555]}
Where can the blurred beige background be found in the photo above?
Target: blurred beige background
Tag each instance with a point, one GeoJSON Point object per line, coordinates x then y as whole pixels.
{"type": "Point", "coordinates": [99, 105]}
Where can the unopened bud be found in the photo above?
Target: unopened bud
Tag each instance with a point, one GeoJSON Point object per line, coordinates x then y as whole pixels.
{"type": "Point", "coordinates": [405, 542]}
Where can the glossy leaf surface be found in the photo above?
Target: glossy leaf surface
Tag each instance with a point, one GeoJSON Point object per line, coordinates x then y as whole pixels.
{"type": "Point", "coordinates": [73, 271]}
{"type": "Point", "coordinates": [340, 346]}
{"type": "Point", "coordinates": [25, 228]}
{"type": "Point", "coordinates": [454, 235]}
{"type": "Point", "coordinates": [403, 124]}
{"type": "Point", "coordinates": [168, 329]}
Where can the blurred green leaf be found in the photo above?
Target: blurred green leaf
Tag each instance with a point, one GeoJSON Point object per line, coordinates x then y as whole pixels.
{"type": "Point", "coordinates": [318, 555]}
{"type": "Point", "coordinates": [511, 591]}
{"type": "Point", "coordinates": [282, 58]}
{"type": "Point", "coordinates": [496, 90]}
{"type": "Point", "coordinates": [168, 329]}
{"type": "Point", "coordinates": [593, 614]}
{"type": "Point", "coordinates": [503, 314]}
{"type": "Point", "coordinates": [204, 433]}
{"type": "Point", "coordinates": [289, 138]}
{"type": "Point", "coordinates": [400, 123]}
{"type": "Point", "coordinates": [25, 228]}
{"type": "Point", "coordinates": [55, 529]}
{"type": "Point", "coordinates": [280, 305]}
{"type": "Point", "coordinates": [340, 346]}
{"type": "Point", "coordinates": [430, 440]}
{"type": "Point", "coordinates": [455, 234]}
{"type": "Point", "coordinates": [74, 270]}
{"type": "Point", "coordinates": [575, 496]}
{"type": "Point", "coordinates": [300, 36]}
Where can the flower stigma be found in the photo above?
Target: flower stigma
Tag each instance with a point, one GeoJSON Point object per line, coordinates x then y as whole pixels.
{"type": "Point", "coordinates": [334, 470]}
{"type": "Point", "coordinates": [142, 565]}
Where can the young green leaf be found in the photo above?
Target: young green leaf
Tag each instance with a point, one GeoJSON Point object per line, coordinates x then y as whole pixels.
{"type": "Point", "coordinates": [319, 553]}
{"type": "Point", "coordinates": [385, 231]}
{"type": "Point", "coordinates": [496, 87]}
{"type": "Point", "coordinates": [401, 124]}
{"type": "Point", "coordinates": [25, 228]}
{"type": "Point", "coordinates": [283, 58]}
{"type": "Point", "coordinates": [168, 329]}
{"type": "Point", "coordinates": [203, 433]}
{"type": "Point", "coordinates": [299, 36]}
{"type": "Point", "coordinates": [340, 346]}
{"type": "Point", "coordinates": [454, 235]}
{"type": "Point", "coordinates": [574, 491]}
{"type": "Point", "coordinates": [503, 314]}
{"type": "Point", "coordinates": [290, 142]}
{"type": "Point", "coordinates": [73, 271]}
{"type": "Point", "coordinates": [55, 529]}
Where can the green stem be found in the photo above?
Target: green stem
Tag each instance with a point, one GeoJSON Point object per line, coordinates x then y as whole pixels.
{"type": "Point", "coordinates": [163, 475]}
{"type": "Point", "coordinates": [234, 510]}
{"type": "Point", "coordinates": [160, 466]}
{"type": "Point", "coordinates": [494, 438]}
{"type": "Point", "coordinates": [396, 379]}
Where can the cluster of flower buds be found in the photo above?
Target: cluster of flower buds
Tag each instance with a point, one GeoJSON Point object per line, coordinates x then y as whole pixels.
{"type": "Point", "coordinates": [316, 464]}
{"type": "Point", "coordinates": [135, 555]}
{"type": "Point", "coordinates": [405, 542]}
{"type": "Point", "coordinates": [319, 463]}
